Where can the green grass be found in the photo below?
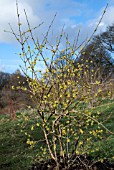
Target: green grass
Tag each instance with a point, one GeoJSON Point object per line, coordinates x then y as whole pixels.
{"type": "Point", "coordinates": [16, 155]}
{"type": "Point", "coordinates": [107, 144]}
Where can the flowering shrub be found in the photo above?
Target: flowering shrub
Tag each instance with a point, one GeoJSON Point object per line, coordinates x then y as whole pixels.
{"type": "Point", "coordinates": [61, 96]}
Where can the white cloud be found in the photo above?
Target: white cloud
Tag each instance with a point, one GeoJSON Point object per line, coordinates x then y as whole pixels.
{"type": "Point", "coordinates": [9, 66]}
{"type": "Point", "coordinates": [2, 67]}
{"type": "Point", "coordinates": [8, 15]}
{"type": "Point", "coordinates": [44, 10]}
{"type": "Point", "coordinates": [107, 20]}
{"type": "Point", "coordinates": [37, 11]}
{"type": "Point", "coordinates": [109, 17]}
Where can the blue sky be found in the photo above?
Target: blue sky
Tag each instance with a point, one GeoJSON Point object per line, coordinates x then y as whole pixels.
{"type": "Point", "coordinates": [75, 14]}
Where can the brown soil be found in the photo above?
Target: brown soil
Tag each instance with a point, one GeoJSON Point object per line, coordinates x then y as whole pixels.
{"type": "Point", "coordinates": [75, 163]}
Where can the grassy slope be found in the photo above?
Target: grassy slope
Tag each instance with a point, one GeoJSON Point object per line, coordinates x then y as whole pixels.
{"type": "Point", "coordinates": [15, 154]}
{"type": "Point", "coordinates": [106, 145]}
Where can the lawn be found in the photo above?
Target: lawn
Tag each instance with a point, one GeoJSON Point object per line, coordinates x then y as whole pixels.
{"type": "Point", "coordinates": [15, 154]}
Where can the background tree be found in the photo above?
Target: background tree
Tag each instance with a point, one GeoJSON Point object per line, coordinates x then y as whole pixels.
{"type": "Point", "coordinates": [9, 94]}
{"type": "Point", "coordinates": [107, 38]}
{"type": "Point", "coordinates": [98, 55]}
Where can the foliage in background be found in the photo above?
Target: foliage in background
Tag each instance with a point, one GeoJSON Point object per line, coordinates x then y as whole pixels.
{"type": "Point", "coordinates": [16, 98]}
